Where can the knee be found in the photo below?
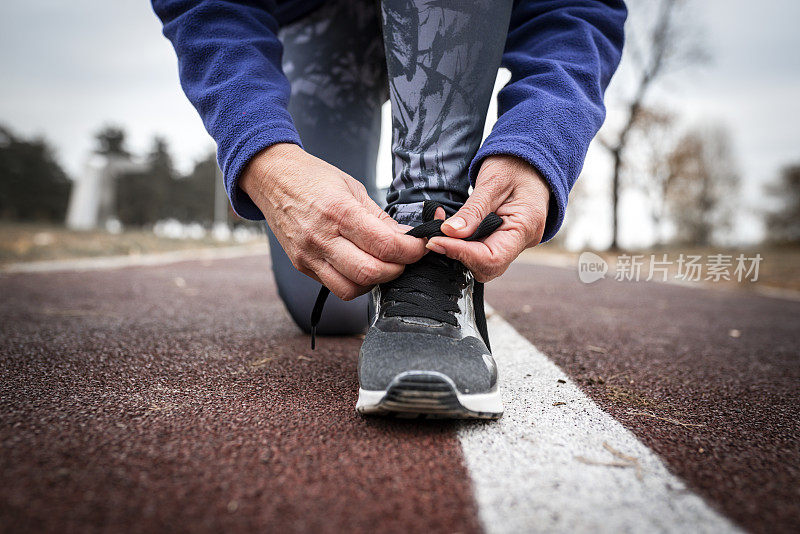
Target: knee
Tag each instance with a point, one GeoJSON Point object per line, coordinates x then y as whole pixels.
{"type": "Point", "coordinates": [299, 292]}
{"type": "Point", "coordinates": [340, 318]}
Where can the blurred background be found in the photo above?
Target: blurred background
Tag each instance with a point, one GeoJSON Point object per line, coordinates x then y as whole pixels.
{"type": "Point", "coordinates": [101, 154]}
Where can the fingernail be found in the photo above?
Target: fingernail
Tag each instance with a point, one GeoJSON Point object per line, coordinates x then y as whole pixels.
{"type": "Point", "coordinates": [456, 223]}
{"type": "Point", "coordinates": [435, 247]}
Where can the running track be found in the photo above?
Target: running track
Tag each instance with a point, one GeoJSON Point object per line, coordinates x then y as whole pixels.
{"type": "Point", "coordinates": [180, 397]}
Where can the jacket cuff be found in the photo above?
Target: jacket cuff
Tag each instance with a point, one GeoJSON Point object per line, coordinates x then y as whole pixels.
{"type": "Point", "coordinates": [243, 151]}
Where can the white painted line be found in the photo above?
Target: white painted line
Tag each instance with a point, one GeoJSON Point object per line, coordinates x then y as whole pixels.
{"type": "Point", "coordinates": [778, 292]}
{"type": "Point", "coordinates": [138, 260]}
{"type": "Point", "coordinates": [535, 469]}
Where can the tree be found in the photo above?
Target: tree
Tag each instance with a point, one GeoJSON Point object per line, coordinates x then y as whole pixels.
{"type": "Point", "coordinates": [648, 165]}
{"type": "Point", "coordinates": [143, 197]}
{"type": "Point", "coordinates": [33, 186]}
{"type": "Point", "coordinates": [657, 44]}
{"type": "Point", "coordinates": [192, 197]}
{"type": "Point", "coordinates": [704, 183]}
{"type": "Point", "coordinates": [783, 224]}
{"type": "Point", "coordinates": [111, 142]}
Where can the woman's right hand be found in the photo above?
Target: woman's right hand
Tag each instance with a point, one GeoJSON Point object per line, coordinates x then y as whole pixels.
{"type": "Point", "coordinates": [327, 224]}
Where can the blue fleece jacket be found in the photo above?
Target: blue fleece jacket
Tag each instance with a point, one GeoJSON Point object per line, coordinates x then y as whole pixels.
{"type": "Point", "coordinates": [561, 55]}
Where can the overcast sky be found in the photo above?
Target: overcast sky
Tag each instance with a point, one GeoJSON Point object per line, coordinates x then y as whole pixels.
{"type": "Point", "coordinates": [70, 67]}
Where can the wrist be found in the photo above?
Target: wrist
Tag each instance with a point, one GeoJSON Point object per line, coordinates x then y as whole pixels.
{"type": "Point", "coordinates": [520, 177]}
{"type": "Point", "coordinates": [513, 169]}
{"type": "Point", "coordinates": [264, 168]}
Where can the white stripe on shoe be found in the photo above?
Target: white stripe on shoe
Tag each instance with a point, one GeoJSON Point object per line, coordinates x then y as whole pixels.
{"type": "Point", "coordinates": [545, 468]}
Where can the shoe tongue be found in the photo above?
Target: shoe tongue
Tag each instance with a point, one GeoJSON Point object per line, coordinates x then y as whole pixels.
{"type": "Point", "coordinates": [443, 263]}
{"type": "Point", "coordinates": [422, 321]}
{"type": "Point", "coordinates": [428, 287]}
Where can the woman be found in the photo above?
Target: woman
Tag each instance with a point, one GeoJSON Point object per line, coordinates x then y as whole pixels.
{"type": "Point", "coordinates": [306, 164]}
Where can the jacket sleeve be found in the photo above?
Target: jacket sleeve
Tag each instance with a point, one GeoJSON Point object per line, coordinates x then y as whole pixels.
{"type": "Point", "coordinates": [229, 62]}
{"type": "Point", "coordinates": [561, 54]}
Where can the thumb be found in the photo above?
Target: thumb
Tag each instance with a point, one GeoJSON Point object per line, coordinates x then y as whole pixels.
{"type": "Point", "coordinates": [485, 198]}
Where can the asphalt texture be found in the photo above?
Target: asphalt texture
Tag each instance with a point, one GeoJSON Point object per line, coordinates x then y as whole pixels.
{"type": "Point", "coordinates": [708, 379]}
{"type": "Point", "coordinates": [181, 397]}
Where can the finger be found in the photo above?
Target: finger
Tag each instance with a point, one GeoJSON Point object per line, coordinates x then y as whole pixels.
{"type": "Point", "coordinates": [379, 240]}
{"type": "Point", "coordinates": [476, 256]}
{"type": "Point", "coordinates": [358, 266]}
{"type": "Point", "coordinates": [339, 284]}
{"type": "Point", "coordinates": [372, 207]}
{"type": "Point", "coordinates": [487, 196]}
{"type": "Point", "coordinates": [484, 260]}
{"type": "Point", "coordinates": [309, 273]}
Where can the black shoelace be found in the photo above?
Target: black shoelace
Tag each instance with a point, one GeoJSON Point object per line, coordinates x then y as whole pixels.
{"type": "Point", "coordinates": [430, 287]}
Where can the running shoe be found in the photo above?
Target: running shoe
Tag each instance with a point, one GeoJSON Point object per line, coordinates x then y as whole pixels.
{"type": "Point", "coordinates": [426, 353]}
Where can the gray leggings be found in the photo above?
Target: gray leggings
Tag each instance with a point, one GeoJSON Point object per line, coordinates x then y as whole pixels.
{"type": "Point", "coordinates": [437, 64]}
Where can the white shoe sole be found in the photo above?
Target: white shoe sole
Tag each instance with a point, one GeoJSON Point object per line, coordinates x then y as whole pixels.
{"type": "Point", "coordinates": [429, 394]}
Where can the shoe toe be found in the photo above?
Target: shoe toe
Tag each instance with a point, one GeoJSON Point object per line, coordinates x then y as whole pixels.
{"type": "Point", "coordinates": [385, 355]}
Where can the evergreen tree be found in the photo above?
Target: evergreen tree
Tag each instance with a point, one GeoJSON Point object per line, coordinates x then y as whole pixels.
{"type": "Point", "coordinates": [192, 197]}
{"type": "Point", "coordinates": [143, 198]}
{"type": "Point", "coordinates": [33, 186]}
{"type": "Point", "coordinates": [111, 142]}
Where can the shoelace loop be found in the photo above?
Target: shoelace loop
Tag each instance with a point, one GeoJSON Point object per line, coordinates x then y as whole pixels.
{"type": "Point", "coordinates": [426, 288]}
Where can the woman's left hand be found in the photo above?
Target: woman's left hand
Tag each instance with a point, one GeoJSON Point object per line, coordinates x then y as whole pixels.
{"type": "Point", "coordinates": [513, 189]}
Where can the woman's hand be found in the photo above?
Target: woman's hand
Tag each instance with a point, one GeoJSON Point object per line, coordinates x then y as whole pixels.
{"type": "Point", "coordinates": [513, 189]}
{"type": "Point", "coordinates": [325, 221]}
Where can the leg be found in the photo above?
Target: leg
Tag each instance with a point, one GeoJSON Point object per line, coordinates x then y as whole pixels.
{"type": "Point", "coordinates": [442, 59]}
{"type": "Point", "coordinates": [334, 60]}
{"type": "Point", "coordinates": [427, 351]}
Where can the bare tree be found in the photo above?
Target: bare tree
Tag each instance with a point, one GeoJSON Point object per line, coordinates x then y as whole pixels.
{"type": "Point", "coordinates": [578, 201]}
{"type": "Point", "coordinates": [648, 165]}
{"type": "Point", "coordinates": [784, 223]}
{"type": "Point", "coordinates": [704, 185]}
{"type": "Point", "coordinates": [659, 42]}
